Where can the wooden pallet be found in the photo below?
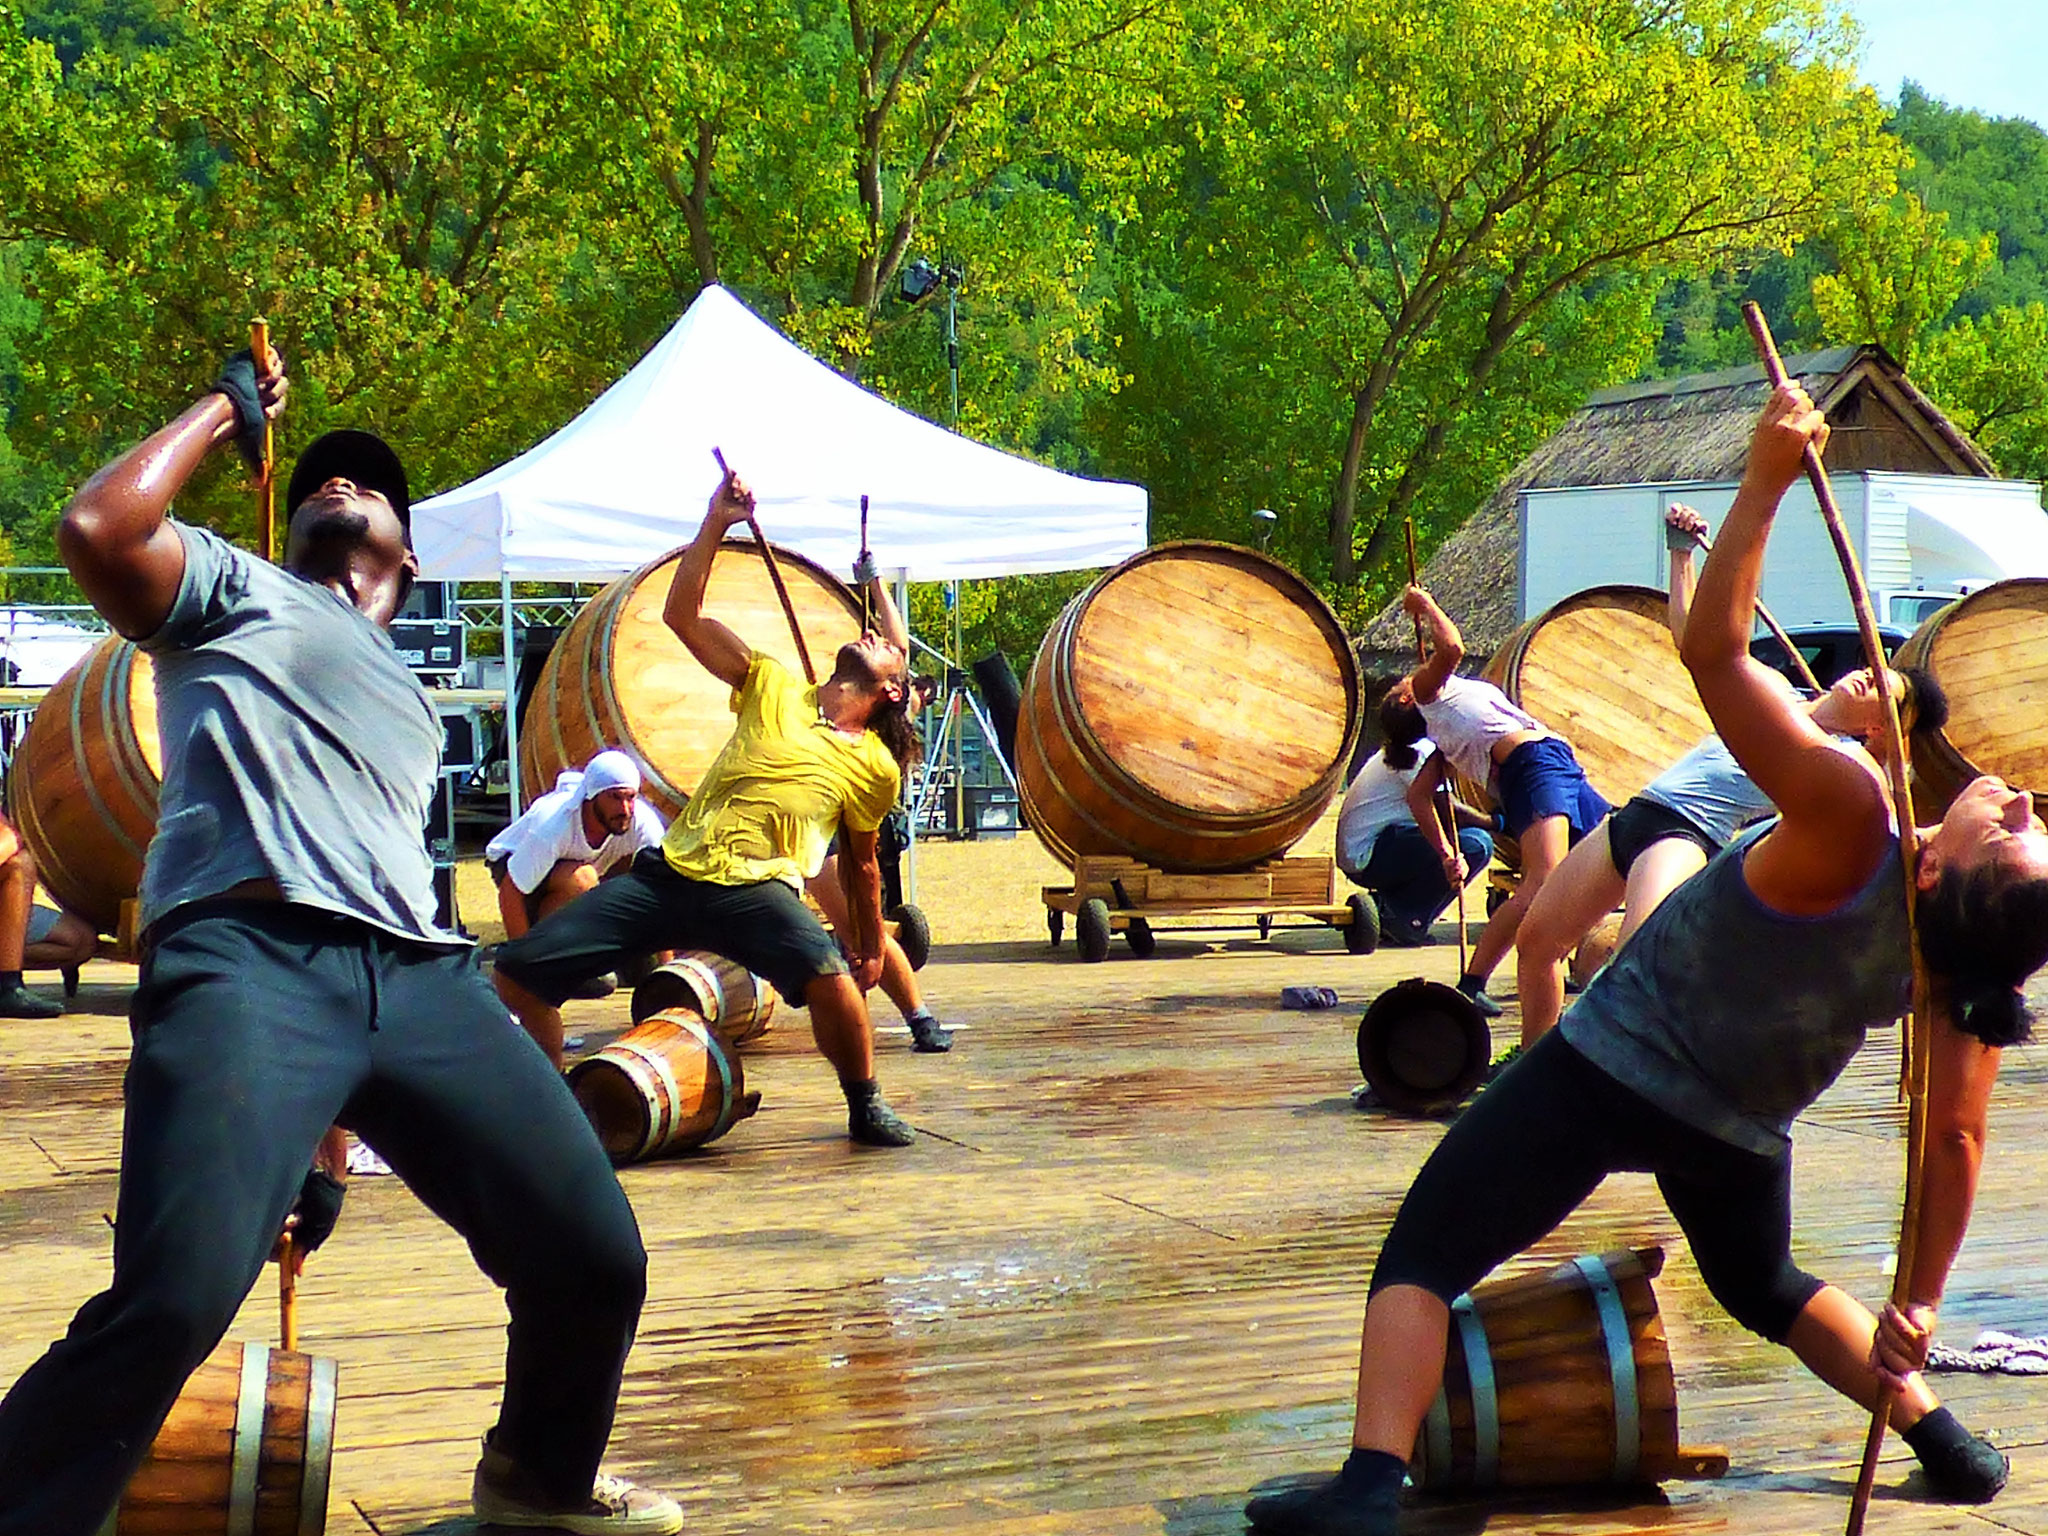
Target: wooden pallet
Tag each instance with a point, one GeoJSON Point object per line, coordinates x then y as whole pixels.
{"type": "Point", "coordinates": [1112, 895]}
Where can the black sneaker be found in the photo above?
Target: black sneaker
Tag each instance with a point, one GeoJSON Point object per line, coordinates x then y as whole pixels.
{"type": "Point", "coordinates": [928, 1035]}
{"type": "Point", "coordinates": [1327, 1508]}
{"type": "Point", "coordinates": [596, 987]}
{"type": "Point", "coordinates": [873, 1123]}
{"type": "Point", "coordinates": [1488, 1008]}
{"type": "Point", "coordinates": [1971, 1472]}
{"type": "Point", "coordinates": [20, 1003]}
{"type": "Point", "coordinates": [1502, 1062]}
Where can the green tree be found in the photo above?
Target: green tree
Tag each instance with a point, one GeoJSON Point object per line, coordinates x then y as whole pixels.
{"type": "Point", "coordinates": [1897, 274]}
{"type": "Point", "coordinates": [1991, 376]}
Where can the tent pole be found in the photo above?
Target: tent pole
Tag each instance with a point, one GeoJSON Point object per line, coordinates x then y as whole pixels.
{"type": "Point", "coordinates": [900, 581]}
{"type": "Point", "coordinates": [511, 695]}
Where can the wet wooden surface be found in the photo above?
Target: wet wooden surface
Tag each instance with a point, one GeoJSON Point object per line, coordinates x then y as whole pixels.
{"type": "Point", "coordinates": [1115, 1287]}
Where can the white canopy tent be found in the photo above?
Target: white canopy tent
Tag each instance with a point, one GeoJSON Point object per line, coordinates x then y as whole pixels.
{"type": "Point", "coordinates": [628, 479]}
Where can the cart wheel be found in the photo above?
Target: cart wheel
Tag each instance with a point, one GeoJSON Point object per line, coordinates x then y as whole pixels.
{"type": "Point", "coordinates": [1362, 933]}
{"type": "Point", "coordinates": [913, 933]}
{"type": "Point", "coordinates": [1139, 935]}
{"type": "Point", "coordinates": [1091, 929]}
{"type": "Point", "coordinates": [1055, 925]}
{"type": "Point", "coordinates": [1496, 898]}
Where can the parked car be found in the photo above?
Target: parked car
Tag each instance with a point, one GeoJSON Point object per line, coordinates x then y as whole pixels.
{"type": "Point", "coordinates": [1830, 649]}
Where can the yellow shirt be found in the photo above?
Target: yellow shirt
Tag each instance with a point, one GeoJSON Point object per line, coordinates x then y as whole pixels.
{"type": "Point", "coordinates": [769, 804]}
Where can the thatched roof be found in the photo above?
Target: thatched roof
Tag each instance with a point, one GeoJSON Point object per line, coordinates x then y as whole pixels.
{"type": "Point", "coordinates": [1694, 428]}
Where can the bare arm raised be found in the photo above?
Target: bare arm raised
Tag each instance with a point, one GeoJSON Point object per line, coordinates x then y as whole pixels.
{"type": "Point", "coordinates": [1447, 645]}
{"type": "Point", "coordinates": [114, 534]}
{"type": "Point", "coordinates": [724, 655]}
{"type": "Point", "coordinates": [1835, 812]}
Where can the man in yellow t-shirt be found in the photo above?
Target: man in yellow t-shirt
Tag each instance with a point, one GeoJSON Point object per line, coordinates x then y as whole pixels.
{"type": "Point", "coordinates": [802, 762]}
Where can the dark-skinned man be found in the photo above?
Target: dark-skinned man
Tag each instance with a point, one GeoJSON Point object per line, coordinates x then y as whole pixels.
{"type": "Point", "coordinates": [293, 976]}
{"type": "Point", "coordinates": [729, 876]}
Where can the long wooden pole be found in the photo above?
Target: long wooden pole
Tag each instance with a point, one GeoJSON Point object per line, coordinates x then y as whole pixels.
{"type": "Point", "coordinates": [867, 599]}
{"type": "Point", "coordinates": [803, 652]}
{"type": "Point", "coordinates": [287, 1292]}
{"type": "Point", "coordinates": [266, 493]}
{"type": "Point", "coordinates": [1915, 1035]}
{"type": "Point", "coordinates": [1777, 631]}
{"type": "Point", "coordinates": [1446, 804]}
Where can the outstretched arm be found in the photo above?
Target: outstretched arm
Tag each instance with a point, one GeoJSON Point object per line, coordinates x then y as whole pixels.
{"type": "Point", "coordinates": [115, 535]}
{"type": "Point", "coordinates": [1447, 645]}
{"type": "Point", "coordinates": [1683, 530]}
{"type": "Point", "coordinates": [724, 655]}
{"type": "Point", "coordinates": [1835, 811]}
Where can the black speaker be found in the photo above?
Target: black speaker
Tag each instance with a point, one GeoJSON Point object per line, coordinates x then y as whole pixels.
{"type": "Point", "coordinates": [535, 646]}
{"type": "Point", "coordinates": [1000, 691]}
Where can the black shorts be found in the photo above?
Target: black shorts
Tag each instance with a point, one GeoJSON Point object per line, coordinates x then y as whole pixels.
{"type": "Point", "coordinates": [500, 871]}
{"type": "Point", "coordinates": [764, 926]}
{"type": "Point", "coordinates": [1642, 822]}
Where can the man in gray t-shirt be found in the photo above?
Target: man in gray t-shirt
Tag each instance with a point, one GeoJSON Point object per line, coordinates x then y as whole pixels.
{"type": "Point", "coordinates": [293, 976]}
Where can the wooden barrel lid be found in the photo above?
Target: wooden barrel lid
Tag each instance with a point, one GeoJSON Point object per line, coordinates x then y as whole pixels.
{"type": "Point", "coordinates": [1215, 678]}
{"type": "Point", "coordinates": [1601, 669]}
{"type": "Point", "coordinates": [677, 716]}
{"type": "Point", "coordinates": [1990, 653]}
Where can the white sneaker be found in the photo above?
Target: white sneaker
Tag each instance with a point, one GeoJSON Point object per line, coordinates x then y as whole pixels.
{"type": "Point", "coordinates": [615, 1507]}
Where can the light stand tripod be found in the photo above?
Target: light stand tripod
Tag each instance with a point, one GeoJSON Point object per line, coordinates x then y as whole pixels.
{"type": "Point", "coordinates": [960, 704]}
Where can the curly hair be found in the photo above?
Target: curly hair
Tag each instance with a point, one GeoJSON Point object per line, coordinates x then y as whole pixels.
{"type": "Point", "coordinates": [1983, 932]}
{"type": "Point", "coordinates": [1404, 726]}
{"type": "Point", "coordinates": [890, 720]}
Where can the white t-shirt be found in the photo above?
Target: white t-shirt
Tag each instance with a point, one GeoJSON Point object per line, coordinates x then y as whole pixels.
{"type": "Point", "coordinates": [1376, 800]}
{"type": "Point", "coordinates": [1467, 717]}
{"type": "Point", "coordinates": [552, 830]}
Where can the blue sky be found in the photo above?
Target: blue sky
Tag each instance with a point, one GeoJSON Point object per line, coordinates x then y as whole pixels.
{"type": "Point", "coordinates": [1991, 55]}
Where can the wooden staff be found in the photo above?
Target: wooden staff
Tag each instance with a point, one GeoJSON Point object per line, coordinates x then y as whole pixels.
{"type": "Point", "coordinates": [266, 496]}
{"type": "Point", "coordinates": [803, 652]}
{"type": "Point", "coordinates": [287, 1292]}
{"type": "Point", "coordinates": [1447, 806]}
{"type": "Point", "coordinates": [867, 600]}
{"type": "Point", "coordinates": [1915, 1036]}
{"type": "Point", "coordinates": [1777, 630]}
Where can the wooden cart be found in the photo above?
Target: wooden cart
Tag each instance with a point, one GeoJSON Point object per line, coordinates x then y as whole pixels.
{"type": "Point", "coordinates": [1113, 895]}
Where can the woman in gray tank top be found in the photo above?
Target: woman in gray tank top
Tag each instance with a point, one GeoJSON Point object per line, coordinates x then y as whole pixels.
{"type": "Point", "coordinates": [1734, 1006]}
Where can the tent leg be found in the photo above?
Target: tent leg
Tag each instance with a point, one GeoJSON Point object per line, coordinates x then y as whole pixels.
{"type": "Point", "coordinates": [901, 583]}
{"type": "Point", "coordinates": [511, 696]}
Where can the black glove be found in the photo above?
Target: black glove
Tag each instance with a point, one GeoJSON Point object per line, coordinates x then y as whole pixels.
{"type": "Point", "coordinates": [1680, 540]}
{"type": "Point", "coordinates": [319, 1207]}
{"type": "Point", "coordinates": [864, 569]}
{"type": "Point", "coordinates": [238, 382]}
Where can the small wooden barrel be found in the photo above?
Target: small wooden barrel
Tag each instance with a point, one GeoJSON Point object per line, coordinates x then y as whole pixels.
{"type": "Point", "coordinates": [666, 1085]}
{"type": "Point", "coordinates": [1558, 1378]}
{"type": "Point", "coordinates": [1601, 670]}
{"type": "Point", "coordinates": [245, 1451]}
{"type": "Point", "coordinates": [727, 996]}
{"type": "Point", "coordinates": [1423, 1046]}
{"type": "Point", "coordinates": [83, 784]}
{"type": "Point", "coordinates": [619, 678]}
{"type": "Point", "coordinates": [1195, 708]}
{"type": "Point", "coordinates": [1989, 652]}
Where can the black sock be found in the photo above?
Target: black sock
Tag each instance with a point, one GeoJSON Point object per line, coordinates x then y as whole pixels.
{"type": "Point", "coordinates": [1934, 1433]}
{"type": "Point", "coordinates": [860, 1092]}
{"type": "Point", "coordinates": [920, 1015]}
{"type": "Point", "coordinates": [1370, 1472]}
{"type": "Point", "coordinates": [10, 981]}
{"type": "Point", "coordinates": [1471, 985]}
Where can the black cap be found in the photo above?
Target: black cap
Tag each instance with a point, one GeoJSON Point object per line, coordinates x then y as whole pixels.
{"type": "Point", "coordinates": [362, 457]}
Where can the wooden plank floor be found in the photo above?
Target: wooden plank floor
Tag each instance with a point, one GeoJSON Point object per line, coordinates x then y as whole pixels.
{"type": "Point", "coordinates": [1115, 1287]}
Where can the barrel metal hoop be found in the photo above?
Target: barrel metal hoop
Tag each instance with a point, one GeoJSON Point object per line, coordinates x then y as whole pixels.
{"type": "Point", "coordinates": [657, 1126]}
{"type": "Point", "coordinates": [1621, 1365]}
{"type": "Point", "coordinates": [111, 1526]}
{"type": "Point", "coordinates": [1485, 1393]}
{"type": "Point", "coordinates": [728, 1098]}
{"type": "Point", "coordinates": [710, 993]}
{"type": "Point", "coordinates": [317, 1468]}
{"type": "Point", "coordinates": [1436, 1443]}
{"type": "Point", "coordinates": [246, 1458]}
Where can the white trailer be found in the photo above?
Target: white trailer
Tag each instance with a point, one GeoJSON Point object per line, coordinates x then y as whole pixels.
{"type": "Point", "coordinates": [1922, 540]}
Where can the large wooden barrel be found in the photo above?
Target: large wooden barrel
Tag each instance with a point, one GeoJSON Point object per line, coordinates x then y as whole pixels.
{"type": "Point", "coordinates": [1195, 709]}
{"type": "Point", "coordinates": [1555, 1379]}
{"type": "Point", "coordinates": [245, 1451]}
{"type": "Point", "coordinates": [666, 1085]}
{"type": "Point", "coordinates": [83, 784]}
{"type": "Point", "coordinates": [1601, 670]}
{"type": "Point", "coordinates": [1989, 652]}
{"type": "Point", "coordinates": [724, 994]}
{"type": "Point", "coordinates": [619, 678]}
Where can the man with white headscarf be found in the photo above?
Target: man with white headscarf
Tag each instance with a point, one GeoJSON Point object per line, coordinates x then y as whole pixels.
{"type": "Point", "coordinates": [588, 825]}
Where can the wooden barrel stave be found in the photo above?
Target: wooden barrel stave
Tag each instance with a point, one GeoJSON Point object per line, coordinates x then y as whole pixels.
{"type": "Point", "coordinates": [1552, 1383]}
{"type": "Point", "coordinates": [619, 678]}
{"type": "Point", "coordinates": [726, 995]}
{"type": "Point", "coordinates": [83, 786]}
{"type": "Point", "coordinates": [1989, 651]}
{"type": "Point", "coordinates": [1132, 735]}
{"type": "Point", "coordinates": [275, 1405]}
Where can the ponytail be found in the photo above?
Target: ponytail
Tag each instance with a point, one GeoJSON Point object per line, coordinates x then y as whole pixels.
{"type": "Point", "coordinates": [1404, 726]}
{"type": "Point", "coordinates": [1983, 933]}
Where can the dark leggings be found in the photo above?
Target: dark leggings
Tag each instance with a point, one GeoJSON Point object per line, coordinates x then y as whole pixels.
{"type": "Point", "coordinates": [1540, 1140]}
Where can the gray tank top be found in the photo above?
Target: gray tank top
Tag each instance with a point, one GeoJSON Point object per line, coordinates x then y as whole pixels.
{"type": "Point", "coordinates": [1733, 1017]}
{"type": "Point", "coordinates": [1709, 789]}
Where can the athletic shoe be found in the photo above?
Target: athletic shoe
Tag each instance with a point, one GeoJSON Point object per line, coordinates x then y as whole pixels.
{"type": "Point", "coordinates": [873, 1123]}
{"type": "Point", "coordinates": [615, 1507]}
{"type": "Point", "coordinates": [1971, 1472]}
{"type": "Point", "coordinates": [1502, 1062]}
{"type": "Point", "coordinates": [20, 1003]}
{"type": "Point", "coordinates": [1488, 1008]}
{"type": "Point", "coordinates": [927, 1034]}
{"type": "Point", "coordinates": [598, 986]}
{"type": "Point", "coordinates": [1327, 1508]}
{"type": "Point", "coordinates": [1403, 938]}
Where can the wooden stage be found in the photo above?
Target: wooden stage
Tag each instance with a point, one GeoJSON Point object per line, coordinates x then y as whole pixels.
{"type": "Point", "coordinates": [1115, 1288]}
